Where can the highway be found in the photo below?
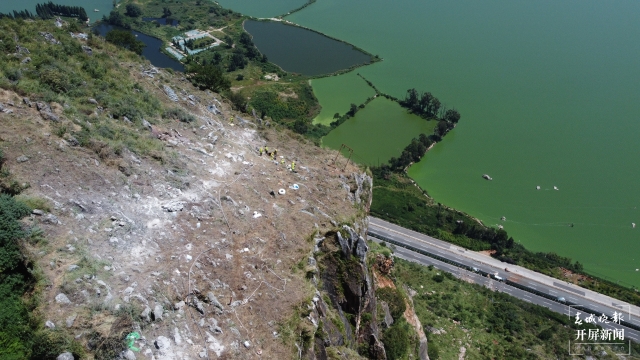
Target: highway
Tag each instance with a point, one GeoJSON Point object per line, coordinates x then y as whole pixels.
{"type": "Point", "coordinates": [519, 282]}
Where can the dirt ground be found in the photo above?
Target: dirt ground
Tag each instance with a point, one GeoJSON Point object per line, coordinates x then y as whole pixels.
{"type": "Point", "coordinates": [206, 225]}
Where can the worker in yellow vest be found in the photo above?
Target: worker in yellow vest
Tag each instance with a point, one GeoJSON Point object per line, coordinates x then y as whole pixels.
{"type": "Point", "coordinates": [293, 166]}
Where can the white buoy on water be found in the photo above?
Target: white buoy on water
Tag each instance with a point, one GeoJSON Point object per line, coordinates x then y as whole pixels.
{"type": "Point", "coordinates": [537, 187]}
{"type": "Point", "coordinates": [633, 225]}
{"type": "Point", "coordinates": [555, 188]}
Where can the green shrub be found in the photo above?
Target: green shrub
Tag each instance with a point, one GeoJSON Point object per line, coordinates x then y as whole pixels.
{"type": "Point", "coordinates": [433, 351]}
{"type": "Point", "coordinates": [33, 202]}
{"type": "Point", "coordinates": [394, 299]}
{"type": "Point", "coordinates": [13, 74]}
{"type": "Point", "coordinates": [396, 340]}
{"type": "Point", "coordinates": [178, 114]}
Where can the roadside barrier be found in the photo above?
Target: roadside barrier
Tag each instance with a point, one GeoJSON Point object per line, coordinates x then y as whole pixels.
{"type": "Point", "coordinates": [484, 273]}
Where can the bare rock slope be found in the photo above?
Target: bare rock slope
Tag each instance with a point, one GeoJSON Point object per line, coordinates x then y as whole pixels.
{"type": "Point", "coordinates": [198, 250]}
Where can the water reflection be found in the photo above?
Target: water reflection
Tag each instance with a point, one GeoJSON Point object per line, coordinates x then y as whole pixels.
{"type": "Point", "coordinates": [151, 51]}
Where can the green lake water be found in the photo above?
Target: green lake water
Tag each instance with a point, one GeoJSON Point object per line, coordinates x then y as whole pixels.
{"type": "Point", "coordinates": [378, 132]}
{"type": "Point", "coordinates": [105, 6]}
{"type": "Point", "coordinates": [549, 93]}
{"type": "Point", "coordinates": [337, 93]}
{"type": "Point", "coordinates": [303, 51]}
{"type": "Point", "coordinates": [262, 8]}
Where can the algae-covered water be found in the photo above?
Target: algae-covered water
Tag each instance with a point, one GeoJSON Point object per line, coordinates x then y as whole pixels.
{"type": "Point", "coordinates": [549, 95]}
{"type": "Point", "coordinates": [337, 93]}
{"type": "Point", "coordinates": [378, 132]}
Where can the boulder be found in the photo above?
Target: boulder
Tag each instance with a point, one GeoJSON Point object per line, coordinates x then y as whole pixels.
{"type": "Point", "coordinates": [213, 300]}
{"type": "Point", "coordinates": [48, 115]}
{"type": "Point", "coordinates": [72, 141]}
{"type": "Point", "coordinates": [162, 343]}
{"type": "Point", "coordinates": [145, 314]}
{"type": "Point", "coordinates": [71, 319]}
{"type": "Point", "coordinates": [157, 312]}
{"type": "Point", "coordinates": [49, 324]}
{"type": "Point", "coordinates": [51, 219]}
{"type": "Point", "coordinates": [174, 206]}
{"type": "Point", "coordinates": [128, 355]}
{"type": "Point", "coordinates": [179, 305]}
{"type": "Point", "coordinates": [65, 356]}
{"type": "Point", "coordinates": [62, 299]}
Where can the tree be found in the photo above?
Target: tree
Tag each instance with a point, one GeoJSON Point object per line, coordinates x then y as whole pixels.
{"type": "Point", "coordinates": [300, 126]}
{"type": "Point", "coordinates": [115, 18]}
{"type": "Point", "coordinates": [238, 61]}
{"type": "Point", "coordinates": [133, 10]}
{"type": "Point", "coordinates": [433, 108]}
{"type": "Point", "coordinates": [229, 41]}
{"type": "Point", "coordinates": [238, 101]}
{"type": "Point", "coordinates": [245, 39]}
{"type": "Point", "coordinates": [166, 12]}
{"type": "Point", "coordinates": [217, 57]}
{"type": "Point", "coordinates": [411, 100]}
{"type": "Point", "coordinates": [442, 128]}
{"type": "Point", "coordinates": [353, 109]}
{"type": "Point", "coordinates": [126, 40]}
{"type": "Point", "coordinates": [452, 116]}
{"type": "Point", "coordinates": [209, 77]}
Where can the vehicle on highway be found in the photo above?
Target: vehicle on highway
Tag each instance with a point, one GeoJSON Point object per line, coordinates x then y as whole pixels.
{"type": "Point", "coordinates": [561, 299]}
{"type": "Point", "coordinates": [497, 277]}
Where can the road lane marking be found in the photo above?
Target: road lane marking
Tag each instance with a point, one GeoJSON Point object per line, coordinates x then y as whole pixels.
{"type": "Point", "coordinates": [429, 245]}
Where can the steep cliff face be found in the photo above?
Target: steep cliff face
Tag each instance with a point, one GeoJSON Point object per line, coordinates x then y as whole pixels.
{"type": "Point", "coordinates": [345, 308]}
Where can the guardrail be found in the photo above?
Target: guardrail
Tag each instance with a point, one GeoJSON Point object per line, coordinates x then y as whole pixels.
{"type": "Point", "coordinates": [484, 273]}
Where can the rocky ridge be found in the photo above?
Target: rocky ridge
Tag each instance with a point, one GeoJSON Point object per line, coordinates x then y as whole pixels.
{"type": "Point", "coordinates": [196, 251]}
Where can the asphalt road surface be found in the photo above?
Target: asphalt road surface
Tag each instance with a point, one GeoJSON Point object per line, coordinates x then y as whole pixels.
{"type": "Point", "coordinates": [535, 284]}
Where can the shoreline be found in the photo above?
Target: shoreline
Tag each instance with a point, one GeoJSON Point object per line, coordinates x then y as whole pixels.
{"type": "Point", "coordinates": [374, 58]}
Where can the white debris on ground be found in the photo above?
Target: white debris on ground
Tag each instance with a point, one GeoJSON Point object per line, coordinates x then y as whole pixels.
{"type": "Point", "coordinates": [194, 243]}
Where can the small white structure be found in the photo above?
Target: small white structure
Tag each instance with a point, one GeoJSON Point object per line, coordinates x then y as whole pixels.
{"type": "Point", "coordinates": [282, 192]}
{"type": "Point", "coordinates": [555, 188]}
{"type": "Point", "coordinates": [633, 225]}
{"type": "Point", "coordinates": [538, 187]}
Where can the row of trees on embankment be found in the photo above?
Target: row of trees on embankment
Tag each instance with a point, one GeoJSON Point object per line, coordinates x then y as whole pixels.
{"type": "Point", "coordinates": [429, 107]}
{"type": "Point", "coordinates": [48, 11]}
{"type": "Point", "coordinates": [397, 199]}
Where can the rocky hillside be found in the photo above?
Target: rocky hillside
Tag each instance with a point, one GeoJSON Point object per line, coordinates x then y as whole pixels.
{"type": "Point", "coordinates": [161, 218]}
